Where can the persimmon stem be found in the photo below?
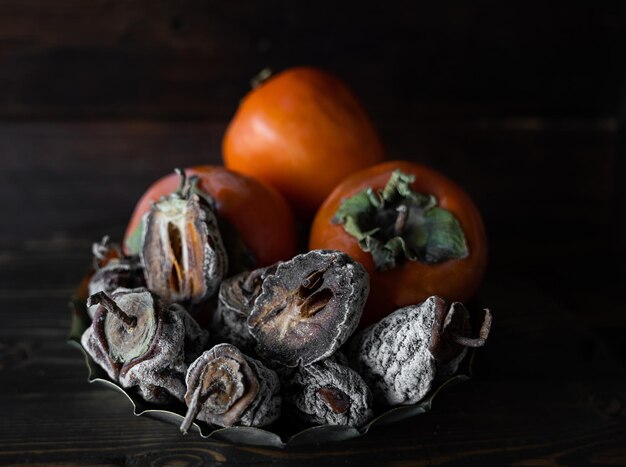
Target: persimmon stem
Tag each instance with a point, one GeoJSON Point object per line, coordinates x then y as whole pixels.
{"type": "Point", "coordinates": [194, 404]}
{"type": "Point", "coordinates": [483, 334]}
{"type": "Point", "coordinates": [440, 316]}
{"type": "Point", "coordinates": [186, 183]}
{"type": "Point", "coordinates": [192, 411]}
{"type": "Point", "coordinates": [400, 224]}
{"type": "Point", "coordinates": [183, 179]}
{"type": "Point", "coordinates": [101, 298]}
{"type": "Point", "coordinates": [261, 77]}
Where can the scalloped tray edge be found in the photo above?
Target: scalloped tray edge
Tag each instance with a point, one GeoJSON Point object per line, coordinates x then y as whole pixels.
{"type": "Point", "coordinates": [251, 435]}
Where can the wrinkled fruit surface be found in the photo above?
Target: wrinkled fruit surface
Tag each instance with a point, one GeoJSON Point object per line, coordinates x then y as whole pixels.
{"type": "Point", "coordinates": [226, 388]}
{"type": "Point", "coordinates": [401, 355]}
{"type": "Point", "coordinates": [149, 354]}
{"type": "Point", "coordinates": [309, 307]}
{"type": "Point", "coordinates": [182, 248]}
{"type": "Point", "coordinates": [326, 392]}
{"type": "Point", "coordinates": [229, 322]}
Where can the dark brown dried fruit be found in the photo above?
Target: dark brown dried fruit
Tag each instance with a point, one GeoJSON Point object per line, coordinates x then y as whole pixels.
{"type": "Point", "coordinates": [400, 356]}
{"type": "Point", "coordinates": [226, 388]}
{"type": "Point", "coordinates": [229, 322]}
{"type": "Point", "coordinates": [182, 249]}
{"type": "Point", "coordinates": [142, 342]}
{"type": "Point", "coordinates": [309, 307]}
{"type": "Point", "coordinates": [113, 270]}
{"type": "Point", "coordinates": [328, 393]}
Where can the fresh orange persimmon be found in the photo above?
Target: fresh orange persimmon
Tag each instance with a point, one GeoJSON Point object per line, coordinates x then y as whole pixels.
{"type": "Point", "coordinates": [260, 215]}
{"type": "Point", "coordinates": [301, 131]}
{"type": "Point", "coordinates": [415, 231]}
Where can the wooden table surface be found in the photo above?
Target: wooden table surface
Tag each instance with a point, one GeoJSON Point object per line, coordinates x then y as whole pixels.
{"type": "Point", "coordinates": [522, 103]}
{"type": "Point", "coordinates": [546, 391]}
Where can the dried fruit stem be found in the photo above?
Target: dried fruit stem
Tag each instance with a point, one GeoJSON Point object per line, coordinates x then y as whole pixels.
{"type": "Point", "coordinates": [183, 179]}
{"type": "Point", "coordinates": [192, 411]}
{"type": "Point", "coordinates": [195, 406]}
{"type": "Point", "coordinates": [101, 298]}
{"type": "Point", "coordinates": [482, 335]}
{"type": "Point", "coordinates": [403, 215]}
{"type": "Point", "coordinates": [186, 183]}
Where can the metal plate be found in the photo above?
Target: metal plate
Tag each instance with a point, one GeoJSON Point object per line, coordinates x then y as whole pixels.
{"type": "Point", "coordinates": [279, 435]}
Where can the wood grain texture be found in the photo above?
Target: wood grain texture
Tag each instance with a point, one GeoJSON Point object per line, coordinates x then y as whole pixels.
{"type": "Point", "coordinates": [547, 188]}
{"type": "Point", "coordinates": [519, 102]}
{"type": "Point", "coordinates": [192, 59]}
{"type": "Point", "coordinates": [545, 390]}
{"type": "Point", "coordinates": [555, 176]}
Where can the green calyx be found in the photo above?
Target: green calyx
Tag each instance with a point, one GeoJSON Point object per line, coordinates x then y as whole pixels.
{"type": "Point", "coordinates": [396, 223]}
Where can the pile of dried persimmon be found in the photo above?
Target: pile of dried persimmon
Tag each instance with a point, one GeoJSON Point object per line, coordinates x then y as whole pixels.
{"type": "Point", "coordinates": [207, 302]}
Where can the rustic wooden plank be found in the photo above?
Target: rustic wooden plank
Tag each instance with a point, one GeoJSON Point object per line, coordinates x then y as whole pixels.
{"type": "Point", "coordinates": [460, 87]}
{"type": "Point", "coordinates": [52, 415]}
{"type": "Point", "coordinates": [87, 175]}
{"type": "Point", "coordinates": [556, 177]}
{"type": "Point", "coordinates": [545, 187]}
{"type": "Point", "coordinates": [193, 59]}
{"type": "Point", "coordinates": [545, 390]}
{"type": "Point", "coordinates": [476, 423]}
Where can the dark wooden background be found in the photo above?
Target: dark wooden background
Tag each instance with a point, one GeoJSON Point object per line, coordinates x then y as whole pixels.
{"type": "Point", "coordinates": [522, 103]}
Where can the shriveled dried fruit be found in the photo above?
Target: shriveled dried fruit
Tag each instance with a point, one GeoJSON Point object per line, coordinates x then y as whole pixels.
{"type": "Point", "coordinates": [113, 270]}
{"type": "Point", "coordinates": [326, 392]}
{"type": "Point", "coordinates": [182, 248]}
{"type": "Point", "coordinates": [400, 356]}
{"type": "Point", "coordinates": [261, 224]}
{"type": "Point", "coordinates": [309, 307]}
{"type": "Point", "coordinates": [226, 388]}
{"type": "Point", "coordinates": [229, 322]}
{"type": "Point", "coordinates": [142, 342]}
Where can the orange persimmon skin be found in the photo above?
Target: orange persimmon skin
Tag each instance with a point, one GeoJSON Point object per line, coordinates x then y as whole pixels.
{"type": "Point", "coordinates": [302, 131]}
{"type": "Point", "coordinates": [410, 282]}
{"type": "Point", "coordinates": [258, 212]}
